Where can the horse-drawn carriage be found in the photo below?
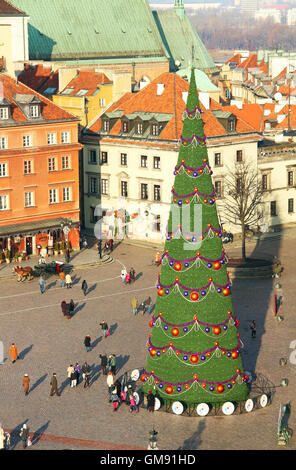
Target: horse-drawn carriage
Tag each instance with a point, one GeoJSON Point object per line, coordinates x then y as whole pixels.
{"type": "Point", "coordinates": [45, 270]}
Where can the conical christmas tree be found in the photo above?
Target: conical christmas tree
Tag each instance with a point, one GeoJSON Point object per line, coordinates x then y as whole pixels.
{"type": "Point", "coordinates": [194, 346]}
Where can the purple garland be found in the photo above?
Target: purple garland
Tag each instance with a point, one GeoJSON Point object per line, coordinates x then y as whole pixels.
{"type": "Point", "coordinates": [227, 285]}
{"type": "Point", "coordinates": [194, 321]}
{"type": "Point", "coordinates": [237, 347]}
{"type": "Point", "coordinates": [193, 194]}
{"type": "Point", "coordinates": [219, 230]}
{"type": "Point", "coordinates": [200, 139]}
{"type": "Point", "coordinates": [194, 259]}
{"type": "Point", "coordinates": [194, 380]}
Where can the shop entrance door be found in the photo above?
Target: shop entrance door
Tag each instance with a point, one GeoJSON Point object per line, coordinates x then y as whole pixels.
{"type": "Point", "coordinates": [29, 245]}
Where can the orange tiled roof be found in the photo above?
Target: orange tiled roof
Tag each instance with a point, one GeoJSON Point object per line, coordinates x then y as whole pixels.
{"type": "Point", "coordinates": [50, 111]}
{"type": "Point", "coordinates": [236, 58]}
{"type": "Point", "coordinates": [282, 74]}
{"type": "Point", "coordinates": [7, 9]}
{"type": "Point", "coordinates": [87, 80]}
{"type": "Point", "coordinates": [249, 62]}
{"type": "Point", "coordinates": [170, 102]}
{"type": "Point", "coordinates": [39, 77]}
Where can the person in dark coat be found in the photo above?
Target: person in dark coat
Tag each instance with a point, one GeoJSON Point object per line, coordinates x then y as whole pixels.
{"type": "Point", "coordinates": [54, 385]}
{"type": "Point", "coordinates": [24, 434]}
{"type": "Point", "coordinates": [68, 311]}
{"type": "Point", "coordinates": [87, 343]}
{"type": "Point", "coordinates": [118, 387]}
{"type": "Point", "coordinates": [104, 363]}
{"type": "Point", "coordinates": [151, 401]}
{"type": "Point", "coordinates": [100, 248]}
{"type": "Point", "coordinates": [77, 370]}
{"type": "Point", "coordinates": [86, 374]}
{"type": "Point", "coordinates": [84, 286]}
{"type": "Point", "coordinates": [72, 306]}
{"type": "Point", "coordinates": [63, 306]}
{"type": "Point", "coordinates": [132, 275]}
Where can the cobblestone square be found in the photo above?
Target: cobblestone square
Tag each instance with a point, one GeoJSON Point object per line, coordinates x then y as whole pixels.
{"type": "Point", "coordinates": [83, 418]}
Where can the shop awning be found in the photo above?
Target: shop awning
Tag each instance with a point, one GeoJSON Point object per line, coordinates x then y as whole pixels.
{"type": "Point", "coordinates": [31, 228]}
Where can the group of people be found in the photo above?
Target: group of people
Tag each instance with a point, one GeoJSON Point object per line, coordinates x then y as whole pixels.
{"type": "Point", "coordinates": [144, 306]}
{"type": "Point", "coordinates": [67, 308]}
{"type": "Point", "coordinates": [128, 277]}
{"type": "Point", "coordinates": [65, 280]}
{"type": "Point", "coordinates": [74, 373]}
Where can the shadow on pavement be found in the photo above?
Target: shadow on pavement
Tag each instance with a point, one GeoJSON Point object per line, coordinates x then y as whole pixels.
{"type": "Point", "coordinates": [38, 434]}
{"type": "Point", "coordinates": [195, 440]}
{"type": "Point", "coordinates": [38, 382]}
{"type": "Point", "coordinates": [23, 353]}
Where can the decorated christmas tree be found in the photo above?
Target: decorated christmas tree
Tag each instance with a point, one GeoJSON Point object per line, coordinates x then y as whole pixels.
{"type": "Point", "coordinates": [194, 346]}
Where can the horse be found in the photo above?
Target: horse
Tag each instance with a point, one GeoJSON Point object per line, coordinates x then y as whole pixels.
{"type": "Point", "coordinates": [23, 273]}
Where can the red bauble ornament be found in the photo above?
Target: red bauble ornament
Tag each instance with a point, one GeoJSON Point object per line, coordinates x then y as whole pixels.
{"type": "Point", "coordinates": [216, 330]}
{"type": "Point", "coordinates": [198, 253]}
{"type": "Point", "coordinates": [203, 385]}
{"type": "Point", "coordinates": [186, 386]}
{"type": "Point", "coordinates": [194, 359]}
{"type": "Point", "coordinates": [220, 388]}
{"type": "Point", "coordinates": [194, 296]}
{"type": "Point", "coordinates": [205, 201]}
{"type": "Point", "coordinates": [182, 161]}
{"type": "Point", "coordinates": [142, 378]}
{"type": "Point", "coordinates": [195, 189]}
{"type": "Point", "coordinates": [208, 354]}
{"type": "Point", "coordinates": [217, 265]}
{"type": "Point", "coordinates": [163, 351]}
{"type": "Point", "coordinates": [195, 377]}
{"type": "Point", "coordinates": [175, 331]}
{"type": "Point", "coordinates": [169, 389]}
{"type": "Point", "coordinates": [234, 354]}
{"type": "Point", "coordinates": [178, 266]}
{"type": "Point", "coordinates": [216, 343]}
{"type": "Point", "coordinates": [160, 292]}
{"type": "Point", "coordinates": [187, 201]}
{"type": "Point", "coordinates": [153, 352]}
{"type": "Point", "coordinates": [226, 291]}
{"type": "Point", "coordinates": [151, 323]}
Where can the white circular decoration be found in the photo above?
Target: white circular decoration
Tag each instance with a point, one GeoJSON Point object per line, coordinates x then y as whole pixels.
{"type": "Point", "coordinates": [202, 409]}
{"type": "Point", "coordinates": [135, 375]}
{"type": "Point", "coordinates": [249, 405]}
{"type": "Point", "coordinates": [263, 400]}
{"type": "Point", "coordinates": [157, 404]}
{"type": "Point", "coordinates": [136, 397]}
{"type": "Point", "coordinates": [228, 408]}
{"type": "Point", "coordinates": [177, 408]}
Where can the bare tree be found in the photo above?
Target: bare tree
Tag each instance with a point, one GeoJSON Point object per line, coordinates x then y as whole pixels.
{"type": "Point", "coordinates": [243, 197]}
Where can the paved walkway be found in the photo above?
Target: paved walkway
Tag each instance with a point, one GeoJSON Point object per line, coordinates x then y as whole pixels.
{"type": "Point", "coordinates": [48, 343]}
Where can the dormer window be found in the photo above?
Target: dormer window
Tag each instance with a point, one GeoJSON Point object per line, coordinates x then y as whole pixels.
{"type": "Point", "coordinates": [125, 126]}
{"type": "Point", "coordinates": [4, 114]}
{"type": "Point", "coordinates": [231, 125]}
{"type": "Point", "coordinates": [106, 125]}
{"type": "Point", "coordinates": [139, 128]}
{"type": "Point", "coordinates": [34, 110]}
{"type": "Point", "coordinates": [155, 129]}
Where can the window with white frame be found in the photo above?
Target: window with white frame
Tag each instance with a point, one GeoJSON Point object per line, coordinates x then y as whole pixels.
{"type": "Point", "coordinates": [4, 113]}
{"type": "Point", "coordinates": [93, 184]}
{"type": "Point", "coordinates": [102, 102]}
{"type": "Point", "coordinates": [51, 138]}
{"type": "Point", "coordinates": [123, 159]}
{"type": "Point", "coordinates": [3, 170]}
{"type": "Point", "coordinates": [156, 163]}
{"type": "Point", "coordinates": [34, 110]}
{"type": "Point", "coordinates": [154, 129]}
{"type": "Point", "coordinates": [53, 196]}
{"type": "Point", "coordinates": [52, 166]}
{"type": "Point", "coordinates": [3, 143]}
{"type": "Point", "coordinates": [143, 161]}
{"type": "Point", "coordinates": [28, 167]}
{"type": "Point", "coordinates": [104, 186]}
{"type": "Point", "coordinates": [65, 137]}
{"type": "Point", "coordinates": [27, 141]}
{"type": "Point", "coordinates": [139, 128]}
{"type": "Point", "coordinates": [106, 125]}
{"type": "Point", "coordinates": [67, 194]}
{"type": "Point", "coordinates": [66, 162]}
{"type": "Point", "coordinates": [156, 191]}
{"type": "Point", "coordinates": [29, 199]}
{"type": "Point", "coordinates": [3, 202]}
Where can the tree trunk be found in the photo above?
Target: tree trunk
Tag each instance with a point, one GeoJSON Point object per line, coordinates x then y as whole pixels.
{"type": "Point", "coordinates": [244, 243]}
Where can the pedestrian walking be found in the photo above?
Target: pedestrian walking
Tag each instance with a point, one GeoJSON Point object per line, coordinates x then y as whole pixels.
{"type": "Point", "coordinates": [63, 307]}
{"type": "Point", "coordinates": [41, 283]}
{"type": "Point", "coordinates": [13, 352]}
{"type": "Point", "coordinates": [72, 306]}
{"type": "Point", "coordinates": [70, 371]}
{"type": "Point", "coordinates": [105, 329]}
{"type": "Point", "coordinates": [113, 364]}
{"type": "Point", "coordinates": [123, 275]}
{"type": "Point", "coordinates": [26, 384]}
{"type": "Point", "coordinates": [117, 384]}
{"type": "Point", "coordinates": [135, 305]}
{"type": "Point", "coordinates": [87, 343]}
{"type": "Point", "coordinates": [111, 244]}
{"type": "Point", "coordinates": [148, 305]}
{"type": "Point", "coordinates": [62, 277]}
{"type": "Point", "coordinates": [157, 259]}
{"type": "Point", "coordinates": [24, 435]}
{"type": "Point", "coordinates": [99, 246]}
{"type": "Point", "coordinates": [68, 311]}
{"type": "Point", "coordinates": [110, 382]}
{"type": "Point", "coordinates": [86, 374]}
{"type": "Point", "coordinates": [73, 379]}
{"type": "Point", "coordinates": [132, 275]}
{"type": "Point", "coordinates": [77, 369]}
{"type": "Point", "coordinates": [68, 281]}
{"type": "Point", "coordinates": [114, 400]}
{"type": "Point", "coordinates": [151, 401]}
{"type": "Point", "coordinates": [67, 255]}
{"type": "Point", "coordinates": [54, 385]}
{"type": "Point", "coordinates": [104, 363]}
{"type": "Point", "coordinates": [253, 329]}
{"type": "Point", "coordinates": [84, 287]}
{"type": "Point", "coordinates": [133, 406]}
{"type": "Point", "coordinates": [2, 437]}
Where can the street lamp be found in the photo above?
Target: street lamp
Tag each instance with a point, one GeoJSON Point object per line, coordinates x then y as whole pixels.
{"type": "Point", "coordinates": [66, 227]}
{"type": "Point", "coordinates": [152, 440]}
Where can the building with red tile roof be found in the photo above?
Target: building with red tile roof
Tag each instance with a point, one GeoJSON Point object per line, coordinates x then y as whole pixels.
{"type": "Point", "coordinates": [40, 78]}
{"type": "Point", "coordinates": [39, 170]}
{"type": "Point", "coordinates": [131, 149]}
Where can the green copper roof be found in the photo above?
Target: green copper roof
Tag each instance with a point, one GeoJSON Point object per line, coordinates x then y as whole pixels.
{"type": "Point", "coordinates": [203, 82]}
{"type": "Point", "coordinates": [179, 36]}
{"type": "Point", "coordinates": [69, 29]}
